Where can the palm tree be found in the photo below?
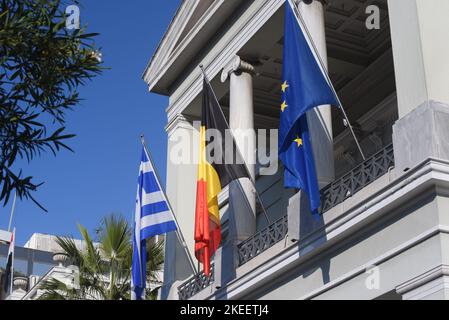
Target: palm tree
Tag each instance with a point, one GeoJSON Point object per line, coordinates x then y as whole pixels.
{"type": "Point", "coordinates": [155, 250]}
{"type": "Point", "coordinates": [105, 266]}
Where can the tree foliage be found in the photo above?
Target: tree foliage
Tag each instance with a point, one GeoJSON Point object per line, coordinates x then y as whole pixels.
{"type": "Point", "coordinates": [42, 65]}
{"type": "Point", "coordinates": [105, 266]}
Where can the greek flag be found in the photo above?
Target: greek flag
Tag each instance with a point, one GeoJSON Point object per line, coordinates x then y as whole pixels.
{"type": "Point", "coordinates": [152, 217]}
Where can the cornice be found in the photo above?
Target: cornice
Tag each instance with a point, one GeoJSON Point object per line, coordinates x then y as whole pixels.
{"type": "Point", "coordinates": [225, 50]}
{"type": "Point", "coordinates": [169, 54]}
{"type": "Point", "coordinates": [435, 273]}
{"type": "Point", "coordinates": [170, 38]}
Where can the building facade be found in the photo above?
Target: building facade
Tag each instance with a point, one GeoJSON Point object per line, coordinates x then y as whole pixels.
{"type": "Point", "coordinates": [36, 261]}
{"type": "Point", "coordinates": [42, 259]}
{"type": "Point", "coordinates": [383, 232]}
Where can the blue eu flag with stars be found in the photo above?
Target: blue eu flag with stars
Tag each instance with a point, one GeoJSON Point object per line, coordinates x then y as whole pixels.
{"type": "Point", "coordinates": [304, 87]}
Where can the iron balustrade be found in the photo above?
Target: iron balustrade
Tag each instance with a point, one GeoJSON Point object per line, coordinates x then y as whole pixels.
{"type": "Point", "coordinates": [262, 240]}
{"type": "Point", "coordinates": [332, 195]}
{"type": "Point", "coordinates": [357, 179]}
{"type": "Point", "coordinates": [196, 284]}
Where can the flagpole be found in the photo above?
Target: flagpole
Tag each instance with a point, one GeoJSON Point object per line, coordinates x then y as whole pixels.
{"type": "Point", "coordinates": [240, 154]}
{"type": "Point", "coordinates": [326, 72]}
{"type": "Point", "coordinates": [178, 229]}
{"type": "Point", "coordinates": [14, 239]}
{"type": "Point", "coordinates": [13, 244]}
{"type": "Point", "coordinates": [12, 210]}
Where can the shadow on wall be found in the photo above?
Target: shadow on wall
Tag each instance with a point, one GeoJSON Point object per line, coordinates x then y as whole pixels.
{"type": "Point", "coordinates": [309, 224]}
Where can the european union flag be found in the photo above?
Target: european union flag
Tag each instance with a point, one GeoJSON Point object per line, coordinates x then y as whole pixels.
{"type": "Point", "coordinates": [304, 87]}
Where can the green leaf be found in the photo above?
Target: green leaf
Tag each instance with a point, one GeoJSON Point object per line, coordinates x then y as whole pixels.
{"type": "Point", "coordinates": [41, 68]}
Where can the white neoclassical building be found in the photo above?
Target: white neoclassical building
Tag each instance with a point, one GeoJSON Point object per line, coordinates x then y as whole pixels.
{"type": "Point", "coordinates": [384, 227]}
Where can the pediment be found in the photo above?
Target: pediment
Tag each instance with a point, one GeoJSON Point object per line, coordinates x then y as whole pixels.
{"type": "Point", "coordinates": [186, 18]}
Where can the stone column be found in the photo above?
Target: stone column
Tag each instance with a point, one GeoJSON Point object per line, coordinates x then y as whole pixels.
{"type": "Point", "coordinates": [242, 199]}
{"type": "Point", "coordinates": [320, 119]}
{"type": "Point", "coordinates": [241, 122]}
{"type": "Point", "coordinates": [182, 170]}
{"type": "Point", "coordinates": [422, 76]}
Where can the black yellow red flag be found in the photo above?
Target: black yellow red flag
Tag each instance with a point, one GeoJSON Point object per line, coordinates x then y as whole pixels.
{"type": "Point", "coordinates": [213, 175]}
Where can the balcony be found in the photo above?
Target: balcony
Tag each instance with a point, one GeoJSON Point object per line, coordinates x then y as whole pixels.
{"type": "Point", "coordinates": [332, 195]}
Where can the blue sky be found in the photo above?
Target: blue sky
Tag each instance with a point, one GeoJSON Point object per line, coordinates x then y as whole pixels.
{"type": "Point", "coordinates": [101, 176]}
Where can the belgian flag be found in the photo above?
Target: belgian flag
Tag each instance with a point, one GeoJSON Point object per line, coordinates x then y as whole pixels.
{"type": "Point", "coordinates": [212, 177]}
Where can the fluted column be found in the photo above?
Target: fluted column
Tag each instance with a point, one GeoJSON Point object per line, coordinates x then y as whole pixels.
{"type": "Point", "coordinates": [241, 122]}
{"type": "Point", "coordinates": [320, 119]}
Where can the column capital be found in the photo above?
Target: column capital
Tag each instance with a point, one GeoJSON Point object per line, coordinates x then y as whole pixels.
{"type": "Point", "coordinates": [179, 121]}
{"type": "Point", "coordinates": [235, 65]}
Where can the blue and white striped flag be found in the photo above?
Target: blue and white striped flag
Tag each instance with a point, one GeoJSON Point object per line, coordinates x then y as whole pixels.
{"type": "Point", "coordinates": [152, 217]}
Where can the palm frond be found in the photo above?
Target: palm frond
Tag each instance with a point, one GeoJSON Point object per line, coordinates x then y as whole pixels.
{"type": "Point", "coordinates": [155, 259]}
{"type": "Point", "coordinates": [70, 250]}
{"type": "Point", "coordinates": [56, 290]}
{"type": "Point", "coordinates": [115, 238]}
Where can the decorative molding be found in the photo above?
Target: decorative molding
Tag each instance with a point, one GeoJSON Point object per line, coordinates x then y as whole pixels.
{"type": "Point", "coordinates": [433, 274]}
{"type": "Point", "coordinates": [179, 121]}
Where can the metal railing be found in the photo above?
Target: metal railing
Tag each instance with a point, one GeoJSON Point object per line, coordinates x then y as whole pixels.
{"type": "Point", "coordinates": [357, 179]}
{"type": "Point", "coordinates": [332, 195]}
{"type": "Point", "coordinates": [196, 284]}
{"type": "Point", "coordinates": [262, 240]}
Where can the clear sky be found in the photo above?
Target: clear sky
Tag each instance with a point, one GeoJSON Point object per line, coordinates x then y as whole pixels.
{"type": "Point", "coordinates": [101, 176]}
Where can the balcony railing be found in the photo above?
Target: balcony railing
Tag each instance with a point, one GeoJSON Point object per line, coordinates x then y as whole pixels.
{"type": "Point", "coordinates": [196, 284]}
{"type": "Point", "coordinates": [332, 195]}
{"type": "Point", "coordinates": [357, 179]}
{"type": "Point", "coordinates": [262, 240]}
